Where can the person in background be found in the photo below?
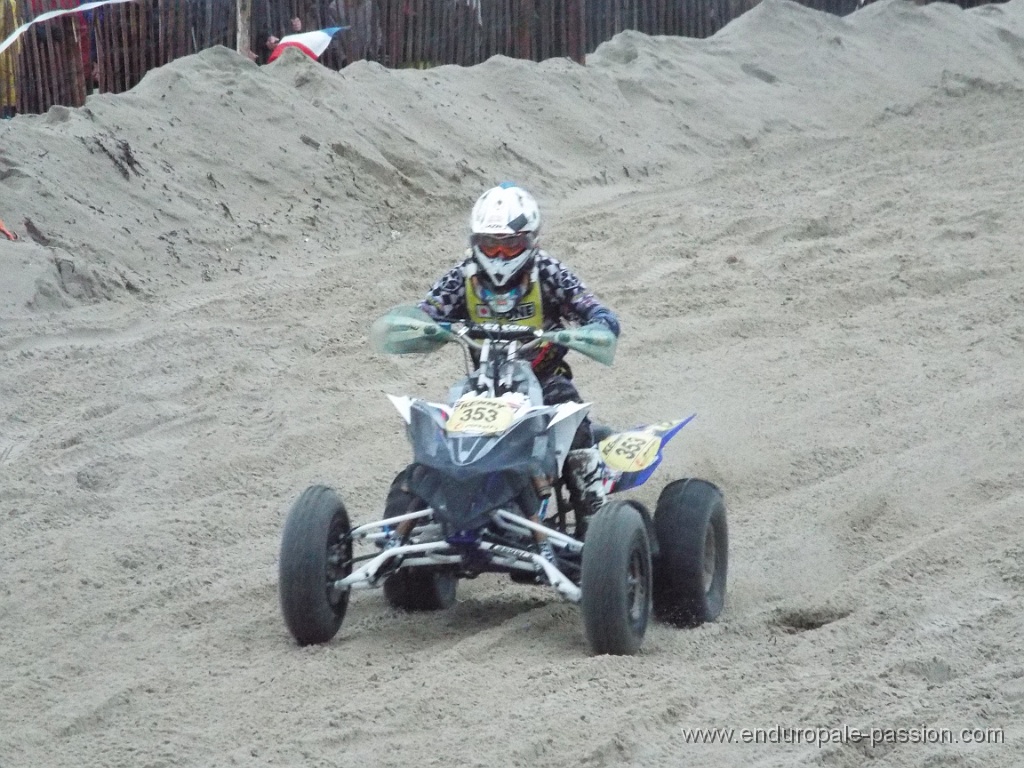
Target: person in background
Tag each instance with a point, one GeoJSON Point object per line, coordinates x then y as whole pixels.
{"type": "Point", "coordinates": [265, 45]}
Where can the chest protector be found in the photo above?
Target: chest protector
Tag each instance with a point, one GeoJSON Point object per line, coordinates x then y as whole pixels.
{"type": "Point", "coordinates": [529, 309]}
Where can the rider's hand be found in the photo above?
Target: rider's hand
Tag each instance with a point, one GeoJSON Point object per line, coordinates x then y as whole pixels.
{"type": "Point", "coordinates": [607, 319]}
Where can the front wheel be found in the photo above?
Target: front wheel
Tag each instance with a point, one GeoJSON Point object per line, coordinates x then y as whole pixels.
{"type": "Point", "coordinates": [616, 580]}
{"type": "Point", "coordinates": [693, 541]}
{"type": "Point", "coordinates": [315, 552]}
{"type": "Point", "coordinates": [415, 589]}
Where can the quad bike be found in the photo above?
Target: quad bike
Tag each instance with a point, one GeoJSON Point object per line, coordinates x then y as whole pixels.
{"type": "Point", "coordinates": [487, 486]}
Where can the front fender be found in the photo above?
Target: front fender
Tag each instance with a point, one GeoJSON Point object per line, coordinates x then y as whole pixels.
{"type": "Point", "coordinates": [563, 427]}
{"type": "Point", "coordinates": [404, 406]}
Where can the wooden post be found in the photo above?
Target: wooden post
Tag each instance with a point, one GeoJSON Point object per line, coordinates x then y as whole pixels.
{"type": "Point", "coordinates": [396, 36]}
{"type": "Point", "coordinates": [124, 60]}
{"type": "Point", "coordinates": [51, 84]}
{"type": "Point", "coordinates": [163, 33]}
{"type": "Point", "coordinates": [20, 54]}
{"type": "Point", "coordinates": [576, 20]}
{"type": "Point", "coordinates": [75, 65]}
{"type": "Point", "coordinates": [524, 24]}
{"type": "Point", "coordinates": [244, 19]}
{"type": "Point", "coordinates": [102, 66]}
{"type": "Point", "coordinates": [138, 45]}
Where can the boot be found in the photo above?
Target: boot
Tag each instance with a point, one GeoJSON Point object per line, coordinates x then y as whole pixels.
{"type": "Point", "coordinates": [585, 472]}
{"type": "Point", "coordinates": [547, 551]}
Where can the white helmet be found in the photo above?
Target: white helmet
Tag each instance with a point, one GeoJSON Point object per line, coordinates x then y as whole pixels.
{"type": "Point", "coordinates": [505, 225]}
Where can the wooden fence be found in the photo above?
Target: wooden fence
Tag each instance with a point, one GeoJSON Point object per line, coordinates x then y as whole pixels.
{"type": "Point", "coordinates": [109, 49]}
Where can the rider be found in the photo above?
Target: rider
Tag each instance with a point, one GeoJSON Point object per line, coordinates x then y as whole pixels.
{"type": "Point", "coordinates": [505, 277]}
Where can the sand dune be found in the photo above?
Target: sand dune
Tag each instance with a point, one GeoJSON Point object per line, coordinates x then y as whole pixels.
{"type": "Point", "coordinates": [811, 227]}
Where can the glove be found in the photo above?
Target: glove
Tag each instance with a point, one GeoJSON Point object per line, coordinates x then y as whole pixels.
{"type": "Point", "coordinates": [607, 318]}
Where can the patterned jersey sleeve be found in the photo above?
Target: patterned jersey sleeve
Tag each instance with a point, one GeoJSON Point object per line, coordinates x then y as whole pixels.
{"type": "Point", "coordinates": [569, 297]}
{"type": "Point", "coordinates": [446, 300]}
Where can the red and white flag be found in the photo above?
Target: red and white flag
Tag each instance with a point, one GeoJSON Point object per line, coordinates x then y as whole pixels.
{"type": "Point", "coordinates": [313, 44]}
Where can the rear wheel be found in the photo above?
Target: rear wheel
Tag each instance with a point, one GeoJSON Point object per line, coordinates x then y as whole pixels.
{"type": "Point", "coordinates": [693, 541]}
{"type": "Point", "coordinates": [415, 589]}
{"type": "Point", "coordinates": [616, 580]}
{"type": "Point", "coordinates": [315, 552]}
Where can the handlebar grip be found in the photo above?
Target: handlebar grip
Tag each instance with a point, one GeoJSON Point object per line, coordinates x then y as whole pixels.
{"type": "Point", "coordinates": [497, 332]}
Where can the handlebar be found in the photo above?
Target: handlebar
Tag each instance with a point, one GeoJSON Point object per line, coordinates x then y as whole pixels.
{"type": "Point", "coordinates": [495, 332]}
{"type": "Point", "coordinates": [408, 329]}
{"type": "Point", "coordinates": [471, 334]}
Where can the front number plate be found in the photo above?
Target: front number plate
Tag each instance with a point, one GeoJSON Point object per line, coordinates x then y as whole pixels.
{"type": "Point", "coordinates": [481, 416]}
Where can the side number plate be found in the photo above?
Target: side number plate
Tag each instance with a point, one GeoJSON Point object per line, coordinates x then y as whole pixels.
{"type": "Point", "coordinates": [630, 451]}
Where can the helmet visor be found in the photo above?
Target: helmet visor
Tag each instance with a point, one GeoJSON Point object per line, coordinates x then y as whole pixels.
{"type": "Point", "coordinates": [503, 246]}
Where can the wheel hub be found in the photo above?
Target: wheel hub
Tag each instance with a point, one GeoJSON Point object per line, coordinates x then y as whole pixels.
{"type": "Point", "coordinates": [636, 588]}
{"type": "Point", "coordinates": [710, 556]}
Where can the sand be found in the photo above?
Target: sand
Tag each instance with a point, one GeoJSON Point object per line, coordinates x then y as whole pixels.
{"type": "Point", "coordinates": [811, 228]}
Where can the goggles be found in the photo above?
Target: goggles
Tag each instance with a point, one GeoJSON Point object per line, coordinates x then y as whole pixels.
{"type": "Point", "coordinates": [503, 246]}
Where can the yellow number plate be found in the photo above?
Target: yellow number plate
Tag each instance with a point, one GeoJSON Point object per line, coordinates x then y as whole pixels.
{"type": "Point", "coordinates": [630, 451]}
{"type": "Point", "coordinates": [481, 416]}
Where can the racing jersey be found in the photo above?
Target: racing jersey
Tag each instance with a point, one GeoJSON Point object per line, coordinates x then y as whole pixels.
{"type": "Point", "coordinates": [561, 294]}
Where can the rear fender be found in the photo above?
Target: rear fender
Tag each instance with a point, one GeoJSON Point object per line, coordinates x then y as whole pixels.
{"type": "Point", "coordinates": [635, 454]}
